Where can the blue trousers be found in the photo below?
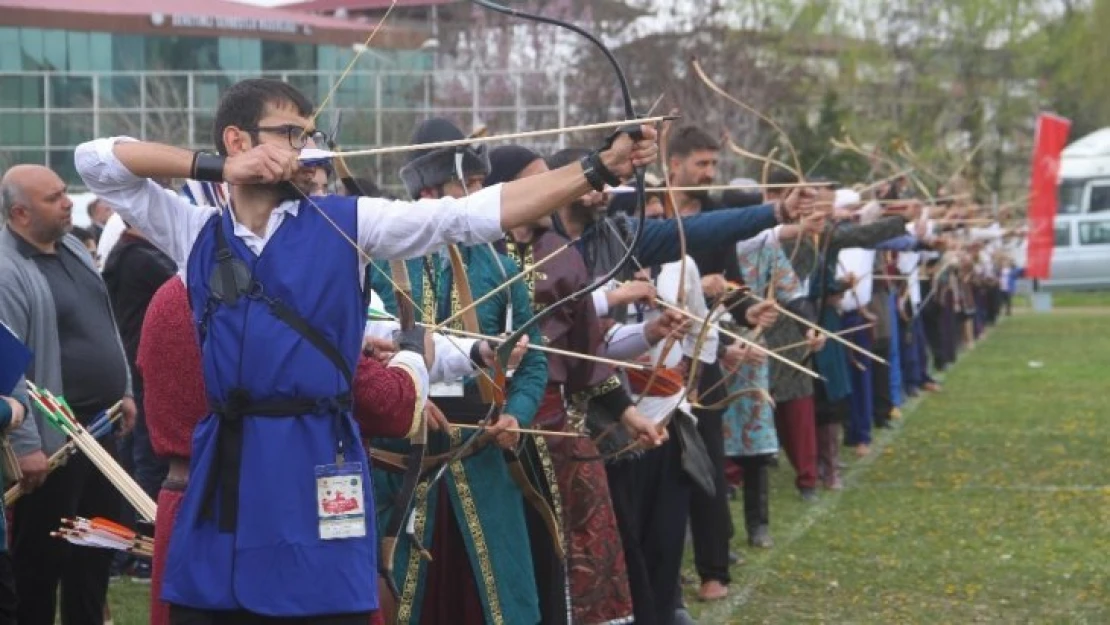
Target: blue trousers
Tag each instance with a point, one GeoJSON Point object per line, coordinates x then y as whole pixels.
{"type": "Point", "coordinates": [895, 356]}
{"type": "Point", "coordinates": [858, 431]}
{"type": "Point", "coordinates": [915, 358]}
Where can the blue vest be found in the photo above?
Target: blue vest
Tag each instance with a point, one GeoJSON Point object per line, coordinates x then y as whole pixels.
{"type": "Point", "coordinates": [272, 561]}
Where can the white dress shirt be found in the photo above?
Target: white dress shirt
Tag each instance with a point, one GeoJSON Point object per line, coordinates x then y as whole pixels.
{"type": "Point", "coordinates": [861, 263]}
{"type": "Point", "coordinates": [386, 229]}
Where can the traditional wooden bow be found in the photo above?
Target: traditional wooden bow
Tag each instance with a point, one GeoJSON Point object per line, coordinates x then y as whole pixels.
{"type": "Point", "coordinates": [504, 352]}
{"type": "Point", "coordinates": [414, 460]}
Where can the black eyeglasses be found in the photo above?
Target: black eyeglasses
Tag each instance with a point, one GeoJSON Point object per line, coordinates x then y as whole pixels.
{"type": "Point", "coordinates": [297, 136]}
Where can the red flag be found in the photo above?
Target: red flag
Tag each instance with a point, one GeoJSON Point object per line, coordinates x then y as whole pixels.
{"type": "Point", "coordinates": [1051, 137]}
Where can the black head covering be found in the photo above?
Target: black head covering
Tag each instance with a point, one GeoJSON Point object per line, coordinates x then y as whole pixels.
{"type": "Point", "coordinates": [507, 161]}
{"type": "Point", "coordinates": [434, 167]}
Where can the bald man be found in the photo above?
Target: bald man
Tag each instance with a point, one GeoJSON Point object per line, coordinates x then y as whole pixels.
{"type": "Point", "coordinates": [53, 298]}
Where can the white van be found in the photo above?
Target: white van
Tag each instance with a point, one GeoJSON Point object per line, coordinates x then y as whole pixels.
{"type": "Point", "coordinates": [1081, 258]}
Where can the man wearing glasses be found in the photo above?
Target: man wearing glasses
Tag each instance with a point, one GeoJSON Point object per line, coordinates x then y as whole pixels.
{"type": "Point", "coordinates": [280, 332]}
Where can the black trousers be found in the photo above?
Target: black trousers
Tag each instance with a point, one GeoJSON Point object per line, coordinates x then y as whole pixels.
{"type": "Point", "coordinates": [187, 616]}
{"type": "Point", "coordinates": [994, 304]}
{"type": "Point", "coordinates": [651, 498]}
{"type": "Point", "coordinates": [931, 322]}
{"type": "Point", "coordinates": [42, 562]}
{"type": "Point", "coordinates": [710, 517]}
{"type": "Point", "coordinates": [881, 399]}
{"type": "Point", "coordinates": [8, 598]}
{"type": "Point", "coordinates": [757, 491]}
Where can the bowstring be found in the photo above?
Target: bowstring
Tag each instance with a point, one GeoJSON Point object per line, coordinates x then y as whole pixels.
{"type": "Point", "coordinates": [347, 70]}
{"type": "Point", "coordinates": [397, 289]}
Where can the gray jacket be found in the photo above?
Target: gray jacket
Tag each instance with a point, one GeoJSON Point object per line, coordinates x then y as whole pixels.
{"type": "Point", "coordinates": [27, 306]}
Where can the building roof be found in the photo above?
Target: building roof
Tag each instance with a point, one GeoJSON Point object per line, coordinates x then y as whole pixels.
{"type": "Point", "coordinates": [606, 9]}
{"type": "Point", "coordinates": [208, 15]}
{"type": "Point", "coordinates": [329, 6]}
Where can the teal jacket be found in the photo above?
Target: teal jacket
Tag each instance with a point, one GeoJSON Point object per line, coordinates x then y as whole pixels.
{"type": "Point", "coordinates": [530, 377]}
{"type": "Point", "coordinates": [484, 500]}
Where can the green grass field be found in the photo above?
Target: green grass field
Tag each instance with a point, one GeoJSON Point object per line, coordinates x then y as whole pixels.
{"type": "Point", "coordinates": [1070, 299]}
{"type": "Point", "coordinates": [987, 504]}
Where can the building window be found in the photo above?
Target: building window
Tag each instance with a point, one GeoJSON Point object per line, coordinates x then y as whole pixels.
{"type": "Point", "coordinates": [1094, 233]}
{"type": "Point", "coordinates": [54, 50]}
{"type": "Point", "coordinates": [128, 52]}
{"type": "Point", "coordinates": [1063, 235]}
{"type": "Point", "coordinates": [100, 52]}
{"type": "Point", "coordinates": [9, 40]}
{"type": "Point", "coordinates": [1070, 197]}
{"type": "Point", "coordinates": [281, 55]}
{"type": "Point", "coordinates": [182, 53]}
{"type": "Point", "coordinates": [1100, 199]}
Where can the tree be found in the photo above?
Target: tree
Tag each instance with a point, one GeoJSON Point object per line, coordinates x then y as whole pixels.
{"type": "Point", "coordinates": [814, 144]}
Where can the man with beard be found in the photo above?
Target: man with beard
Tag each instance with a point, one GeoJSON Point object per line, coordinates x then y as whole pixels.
{"type": "Point", "coordinates": [692, 162]}
{"type": "Point", "coordinates": [602, 239]}
{"type": "Point", "coordinates": [280, 488]}
{"type": "Point", "coordinates": [54, 300]}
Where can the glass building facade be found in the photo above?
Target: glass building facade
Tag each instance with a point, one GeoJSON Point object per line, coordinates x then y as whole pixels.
{"type": "Point", "coordinates": [59, 88]}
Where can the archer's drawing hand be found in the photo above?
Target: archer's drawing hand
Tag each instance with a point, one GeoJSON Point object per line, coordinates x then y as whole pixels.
{"type": "Point", "coordinates": [632, 292]}
{"type": "Point", "coordinates": [262, 164]}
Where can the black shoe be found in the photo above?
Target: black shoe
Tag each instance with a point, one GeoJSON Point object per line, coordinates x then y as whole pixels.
{"type": "Point", "coordinates": [682, 617]}
{"type": "Point", "coordinates": [761, 538]}
{"type": "Point", "coordinates": [809, 495]}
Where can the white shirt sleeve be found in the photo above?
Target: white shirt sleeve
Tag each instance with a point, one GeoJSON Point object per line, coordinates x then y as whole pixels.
{"type": "Point", "coordinates": [168, 220]}
{"type": "Point", "coordinates": [392, 230]}
{"type": "Point", "coordinates": [452, 361]}
{"type": "Point", "coordinates": [625, 342]}
{"type": "Point", "coordinates": [601, 302]}
{"type": "Point", "coordinates": [860, 262]}
{"type": "Point", "coordinates": [695, 303]}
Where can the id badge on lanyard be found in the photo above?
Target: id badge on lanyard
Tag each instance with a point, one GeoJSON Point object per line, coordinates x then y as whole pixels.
{"type": "Point", "coordinates": [340, 504]}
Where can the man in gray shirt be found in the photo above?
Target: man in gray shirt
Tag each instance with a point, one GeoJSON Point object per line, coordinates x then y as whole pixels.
{"type": "Point", "coordinates": [55, 301]}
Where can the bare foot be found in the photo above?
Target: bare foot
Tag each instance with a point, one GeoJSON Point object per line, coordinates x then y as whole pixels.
{"type": "Point", "coordinates": [862, 450]}
{"type": "Point", "coordinates": [712, 590]}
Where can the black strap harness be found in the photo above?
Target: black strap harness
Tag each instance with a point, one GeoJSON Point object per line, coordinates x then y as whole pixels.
{"type": "Point", "coordinates": [232, 279]}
